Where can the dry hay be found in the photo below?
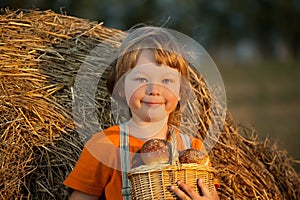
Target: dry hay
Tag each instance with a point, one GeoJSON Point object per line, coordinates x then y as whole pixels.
{"type": "Point", "coordinates": [41, 52]}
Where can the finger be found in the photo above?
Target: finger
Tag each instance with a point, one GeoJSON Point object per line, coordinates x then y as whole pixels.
{"type": "Point", "coordinates": [179, 193]}
{"type": "Point", "coordinates": [216, 196]}
{"type": "Point", "coordinates": [204, 188]}
{"type": "Point", "coordinates": [188, 190]}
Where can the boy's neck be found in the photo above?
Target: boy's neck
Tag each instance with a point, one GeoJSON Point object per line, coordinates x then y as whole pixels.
{"type": "Point", "coordinates": [148, 130]}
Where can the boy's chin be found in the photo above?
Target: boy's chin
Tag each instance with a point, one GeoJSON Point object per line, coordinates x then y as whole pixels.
{"type": "Point", "coordinates": [157, 119]}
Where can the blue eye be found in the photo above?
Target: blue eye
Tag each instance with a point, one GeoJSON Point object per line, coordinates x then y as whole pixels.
{"type": "Point", "coordinates": [141, 80]}
{"type": "Point", "coordinates": [166, 81]}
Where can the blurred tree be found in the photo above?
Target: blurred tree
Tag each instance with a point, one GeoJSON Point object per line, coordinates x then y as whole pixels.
{"type": "Point", "coordinates": [273, 24]}
{"type": "Point", "coordinates": [277, 23]}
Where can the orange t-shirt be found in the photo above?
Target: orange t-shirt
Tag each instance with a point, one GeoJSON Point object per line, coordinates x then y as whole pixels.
{"type": "Point", "coordinates": [98, 170]}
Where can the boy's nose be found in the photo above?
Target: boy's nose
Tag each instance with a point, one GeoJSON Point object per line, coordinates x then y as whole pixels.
{"type": "Point", "coordinates": [153, 89]}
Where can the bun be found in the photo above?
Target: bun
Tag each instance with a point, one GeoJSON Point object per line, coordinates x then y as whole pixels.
{"type": "Point", "coordinates": [156, 151]}
{"type": "Point", "coordinates": [193, 156]}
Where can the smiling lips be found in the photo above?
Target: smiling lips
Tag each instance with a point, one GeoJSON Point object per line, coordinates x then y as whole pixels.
{"type": "Point", "coordinates": [153, 103]}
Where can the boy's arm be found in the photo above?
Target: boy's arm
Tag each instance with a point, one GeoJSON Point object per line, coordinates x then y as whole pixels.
{"type": "Point", "coordinates": [77, 195]}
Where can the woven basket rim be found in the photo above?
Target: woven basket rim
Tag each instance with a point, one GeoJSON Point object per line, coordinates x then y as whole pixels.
{"type": "Point", "coordinates": [169, 167]}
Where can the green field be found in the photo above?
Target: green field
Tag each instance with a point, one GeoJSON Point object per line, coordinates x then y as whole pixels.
{"type": "Point", "coordinates": [267, 97]}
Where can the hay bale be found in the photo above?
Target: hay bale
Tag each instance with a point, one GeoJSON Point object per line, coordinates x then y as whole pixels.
{"type": "Point", "coordinates": [41, 52]}
{"type": "Point", "coordinates": [38, 143]}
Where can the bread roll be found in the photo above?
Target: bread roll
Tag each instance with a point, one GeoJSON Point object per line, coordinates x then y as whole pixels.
{"type": "Point", "coordinates": [193, 156]}
{"type": "Point", "coordinates": [156, 151]}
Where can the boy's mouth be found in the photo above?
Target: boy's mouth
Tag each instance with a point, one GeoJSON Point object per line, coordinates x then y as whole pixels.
{"type": "Point", "coordinates": [151, 103]}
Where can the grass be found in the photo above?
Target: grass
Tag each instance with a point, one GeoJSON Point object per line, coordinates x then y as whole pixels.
{"type": "Point", "coordinates": [267, 97]}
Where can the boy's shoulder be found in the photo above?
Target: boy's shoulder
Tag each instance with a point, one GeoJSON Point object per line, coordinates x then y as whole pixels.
{"type": "Point", "coordinates": [110, 134]}
{"type": "Point", "coordinates": [115, 129]}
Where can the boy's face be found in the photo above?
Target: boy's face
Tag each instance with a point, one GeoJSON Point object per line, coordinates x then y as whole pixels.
{"type": "Point", "coordinates": [151, 90]}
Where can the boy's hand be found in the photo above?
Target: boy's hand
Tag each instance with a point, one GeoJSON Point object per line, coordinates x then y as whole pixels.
{"type": "Point", "coordinates": [187, 193]}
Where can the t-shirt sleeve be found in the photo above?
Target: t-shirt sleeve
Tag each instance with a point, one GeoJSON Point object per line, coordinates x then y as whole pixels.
{"type": "Point", "coordinates": [88, 176]}
{"type": "Point", "coordinates": [196, 143]}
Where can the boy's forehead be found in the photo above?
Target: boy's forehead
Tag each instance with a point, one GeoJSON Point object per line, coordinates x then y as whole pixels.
{"type": "Point", "coordinates": [154, 68]}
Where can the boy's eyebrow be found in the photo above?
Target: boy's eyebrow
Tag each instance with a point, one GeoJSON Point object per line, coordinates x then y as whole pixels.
{"type": "Point", "coordinates": [165, 73]}
{"type": "Point", "coordinates": [136, 72]}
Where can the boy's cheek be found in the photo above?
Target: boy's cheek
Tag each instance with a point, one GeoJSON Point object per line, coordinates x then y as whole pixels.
{"type": "Point", "coordinates": [134, 101]}
{"type": "Point", "coordinates": [171, 106]}
{"type": "Point", "coordinates": [132, 89]}
{"type": "Point", "coordinates": [173, 91]}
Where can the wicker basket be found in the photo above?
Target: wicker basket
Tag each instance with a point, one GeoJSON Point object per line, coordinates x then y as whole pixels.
{"type": "Point", "coordinates": [153, 181]}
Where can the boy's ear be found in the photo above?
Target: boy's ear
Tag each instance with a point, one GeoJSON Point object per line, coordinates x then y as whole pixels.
{"type": "Point", "coordinates": [179, 97]}
{"type": "Point", "coordinates": [179, 105]}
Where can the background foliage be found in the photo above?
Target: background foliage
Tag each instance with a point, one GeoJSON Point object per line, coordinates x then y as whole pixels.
{"type": "Point", "coordinates": [269, 26]}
